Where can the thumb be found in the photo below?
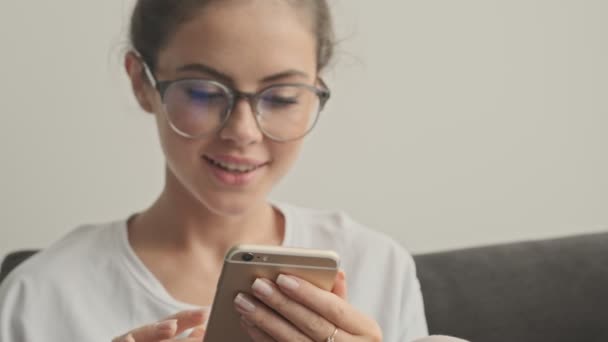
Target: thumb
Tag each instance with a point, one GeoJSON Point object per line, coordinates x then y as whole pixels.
{"type": "Point", "coordinates": [340, 288]}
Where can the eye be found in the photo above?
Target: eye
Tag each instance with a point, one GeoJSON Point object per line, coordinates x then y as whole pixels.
{"type": "Point", "coordinates": [203, 95]}
{"type": "Point", "coordinates": [276, 100]}
{"type": "Point", "coordinates": [281, 97]}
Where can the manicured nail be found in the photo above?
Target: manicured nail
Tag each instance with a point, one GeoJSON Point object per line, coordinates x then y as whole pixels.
{"type": "Point", "coordinates": [243, 305]}
{"type": "Point", "coordinates": [247, 322]}
{"type": "Point", "coordinates": [197, 314]}
{"type": "Point", "coordinates": [287, 282]}
{"type": "Point", "coordinates": [260, 287]}
{"type": "Point", "coordinates": [197, 332]}
{"type": "Point", "coordinates": [165, 326]}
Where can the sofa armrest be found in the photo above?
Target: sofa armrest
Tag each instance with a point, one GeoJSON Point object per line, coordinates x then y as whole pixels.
{"type": "Point", "coordinates": [13, 260]}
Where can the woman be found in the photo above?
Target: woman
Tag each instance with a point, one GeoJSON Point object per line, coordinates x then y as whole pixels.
{"type": "Point", "coordinates": [234, 86]}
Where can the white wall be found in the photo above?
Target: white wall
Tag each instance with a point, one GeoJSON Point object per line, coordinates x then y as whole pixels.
{"type": "Point", "coordinates": [453, 122]}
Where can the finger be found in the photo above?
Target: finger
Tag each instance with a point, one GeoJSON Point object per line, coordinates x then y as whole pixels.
{"type": "Point", "coordinates": [310, 323]}
{"type": "Point", "coordinates": [124, 338]}
{"type": "Point", "coordinates": [256, 334]}
{"type": "Point", "coordinates": [198, 332]}
{"type": "Point", "coordinates": [326, 304]}
{"type": "Point", "coordinates": [268, 321]}
{"type": "Point", "coordinates": [151, 333]}
{"type": "Point", "coordinates": [340, 288]}
{"type": "Point", "coordinates": [165, 329]}
{"type": "Point", "coordinates": [189, 319]}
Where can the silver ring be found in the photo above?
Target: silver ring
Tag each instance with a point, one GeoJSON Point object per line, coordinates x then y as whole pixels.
{"type": "Point", "coordinates": [332, 338]}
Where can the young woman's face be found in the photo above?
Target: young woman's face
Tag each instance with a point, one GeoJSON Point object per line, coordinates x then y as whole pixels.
{"type": "Point", "coordinates": [252, 44]}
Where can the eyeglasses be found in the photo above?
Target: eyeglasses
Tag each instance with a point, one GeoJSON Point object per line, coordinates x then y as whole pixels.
{"type": "Point", "coordinates": [197, 108]}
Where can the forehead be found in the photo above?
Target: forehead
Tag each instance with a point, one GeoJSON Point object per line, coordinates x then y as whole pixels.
{"type": "Point", "coordinates": [244, 39]}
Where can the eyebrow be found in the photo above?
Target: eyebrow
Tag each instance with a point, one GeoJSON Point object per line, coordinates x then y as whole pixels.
{"type": "Point", "coordinates": [201, 68]}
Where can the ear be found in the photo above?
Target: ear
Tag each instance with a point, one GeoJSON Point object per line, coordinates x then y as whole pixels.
{"type": "Point", "coordinates": [139, 82]}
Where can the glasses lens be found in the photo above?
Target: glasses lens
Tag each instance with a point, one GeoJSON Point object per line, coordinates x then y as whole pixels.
{"type": "Point", "coordinates": [196, 107]}
{"type": "Point", "coordinates": [288, 112]}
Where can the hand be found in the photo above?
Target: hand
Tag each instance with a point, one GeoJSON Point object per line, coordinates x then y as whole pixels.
{"type": "Point", "coordinates": [293, 309]}
{"type": "Point", "coordinates": [169, 329]}
{"type": "Point", "coordinates": [438, 338]}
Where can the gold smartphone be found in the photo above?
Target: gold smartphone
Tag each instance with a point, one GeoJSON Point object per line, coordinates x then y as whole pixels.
{"type": "Point", "coordinates": [243, 264]}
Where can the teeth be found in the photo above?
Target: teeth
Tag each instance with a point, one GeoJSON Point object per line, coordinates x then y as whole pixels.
{"type": "Point", "coordinates": [234, 167]}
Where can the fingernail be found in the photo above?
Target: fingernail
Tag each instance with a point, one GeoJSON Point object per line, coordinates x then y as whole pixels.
{"type": "Point", "coordinates": [247, 322]}
{"type": "Point", "coordinates": [197, 332]}
{"type": "Point", "coordinates": [166, 325]}
{"type": "Point", "coordinates": [197, 314]}
{"type": "Point", "coordinates": [287, 282]}
{"type": "Point", "coordinates": [243, 305]}
{"type": "Point", "coordinates": [262, 288]}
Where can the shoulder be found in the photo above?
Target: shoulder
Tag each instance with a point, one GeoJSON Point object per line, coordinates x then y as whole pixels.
{"type": "Point", "coordinates": [66, 279]}
{"type": "Point", "coordinates": [83, 246]}
{"type": "Point", "coordinates": [354, 241]}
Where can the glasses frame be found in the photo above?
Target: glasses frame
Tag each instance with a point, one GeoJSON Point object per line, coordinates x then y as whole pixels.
{"type": "Point", "coordinates": [234, 96]}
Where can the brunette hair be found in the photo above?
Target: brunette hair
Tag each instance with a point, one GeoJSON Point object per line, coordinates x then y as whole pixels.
{"type": "Point", "coordinates": [153, 22]}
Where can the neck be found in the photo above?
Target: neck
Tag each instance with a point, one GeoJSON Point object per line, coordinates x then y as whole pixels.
{"type": "Point", "coordinates": [178, 222]}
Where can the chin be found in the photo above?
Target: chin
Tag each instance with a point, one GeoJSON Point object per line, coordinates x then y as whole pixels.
{"type": "Point", "coordinates": [232, 205]}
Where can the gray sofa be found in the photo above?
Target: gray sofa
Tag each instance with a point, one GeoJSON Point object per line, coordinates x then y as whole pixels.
{"type": "Point", "coordinates": [539, 291]}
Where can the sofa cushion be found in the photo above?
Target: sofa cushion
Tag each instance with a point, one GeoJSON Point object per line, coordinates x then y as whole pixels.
{"type": "Point", "coordinates": [552, 290]}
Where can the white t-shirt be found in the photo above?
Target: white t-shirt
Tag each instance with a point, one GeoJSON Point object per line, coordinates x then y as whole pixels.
{"type": "Point", "coordinates": [90, 286]}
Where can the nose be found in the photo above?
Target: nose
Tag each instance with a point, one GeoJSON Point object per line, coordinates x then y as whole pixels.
{"type": "Point", "coordinates": [242, 128]}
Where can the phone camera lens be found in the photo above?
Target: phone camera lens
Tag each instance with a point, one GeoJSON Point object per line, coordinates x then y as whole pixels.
{"type": "Point", "coordinates": [247, 256]}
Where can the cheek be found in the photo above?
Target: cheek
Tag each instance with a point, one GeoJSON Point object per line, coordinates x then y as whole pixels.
{"type": "Point", "coordinates": [285, 155]}
{"type": "Point", "coordinates": [164, 135]}
{"type": "Point", "coordinates": [179, 152]}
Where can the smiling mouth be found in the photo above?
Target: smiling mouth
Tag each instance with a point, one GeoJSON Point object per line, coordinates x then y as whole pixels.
{"type": "Point", "coordinates": [233, 167]}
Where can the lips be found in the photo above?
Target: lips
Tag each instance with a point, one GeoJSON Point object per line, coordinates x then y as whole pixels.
{"type": "Point", "coordinates": [234, 164]}
{"type": "Point", "coordinates": [235, 172]}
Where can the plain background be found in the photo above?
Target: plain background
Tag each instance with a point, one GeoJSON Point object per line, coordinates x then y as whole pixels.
{"type": "Point", "coordinates": [453, 122]}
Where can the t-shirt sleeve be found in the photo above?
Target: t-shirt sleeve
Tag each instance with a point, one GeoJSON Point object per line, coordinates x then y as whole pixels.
{"type": "Point", "coordinates": [12, 302]}
{"type": "Point", "coordinates": [412, 306]}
